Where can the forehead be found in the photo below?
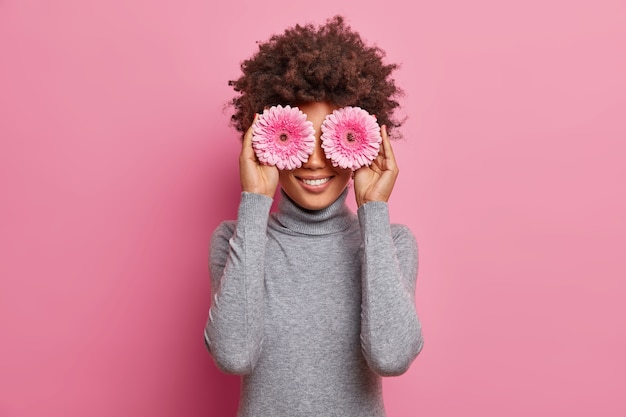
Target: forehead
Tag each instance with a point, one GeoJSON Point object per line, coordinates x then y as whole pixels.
{"type": "Point", "coordinates": [317, 111]}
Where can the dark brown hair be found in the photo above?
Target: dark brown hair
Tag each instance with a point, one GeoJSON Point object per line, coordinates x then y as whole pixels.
{"type": "Point", "coordinates": [330, 63]}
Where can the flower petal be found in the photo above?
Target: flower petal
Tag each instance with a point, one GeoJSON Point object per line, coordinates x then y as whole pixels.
{"type": "Point", "coordinates": [351, 137]}
{"type": "Point", "coordinates": [283, 136]}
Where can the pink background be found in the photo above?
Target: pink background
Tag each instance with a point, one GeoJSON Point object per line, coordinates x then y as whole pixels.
{"type": "Point", "coordinates": [117, 162]}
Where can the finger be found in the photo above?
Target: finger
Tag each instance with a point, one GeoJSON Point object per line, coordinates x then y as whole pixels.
{"type": "Point", "coordinates": [387, 149]}
{"type": "Point", "coordinates": [246, 145]}
{"type": "Point", "coordinates": [391, 157]}
{"type": "Point", "coordinates": [247, 137]}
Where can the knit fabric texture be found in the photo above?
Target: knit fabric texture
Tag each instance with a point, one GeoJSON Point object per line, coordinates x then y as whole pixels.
{"type": "Point", "coordinates": [312, 308]}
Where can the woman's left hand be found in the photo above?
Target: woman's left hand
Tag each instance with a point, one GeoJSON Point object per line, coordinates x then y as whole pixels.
{"type": "Point", "coordinates": [375, 182]}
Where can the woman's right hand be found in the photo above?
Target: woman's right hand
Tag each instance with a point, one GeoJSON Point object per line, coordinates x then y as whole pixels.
{"type": "Point", "coordinates": [255, 177]}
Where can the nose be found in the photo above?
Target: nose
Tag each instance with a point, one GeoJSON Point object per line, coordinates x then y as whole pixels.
{"type": "Point", "coordinates": [317, 159]}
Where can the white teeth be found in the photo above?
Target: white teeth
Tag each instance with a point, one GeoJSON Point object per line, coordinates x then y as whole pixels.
{"type": "Point", "coordinates": [316, 182]}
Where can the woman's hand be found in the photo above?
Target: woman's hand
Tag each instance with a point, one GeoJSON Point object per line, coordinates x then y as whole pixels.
{"type": "Point", "coordinates": [375, 182]}
{"type": "Point", "coordinates": [255, 177]}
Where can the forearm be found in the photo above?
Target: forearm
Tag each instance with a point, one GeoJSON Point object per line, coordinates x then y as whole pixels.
{"type": "Point", "coordinates": [390, 328]}
{"type": "Point", "coordinates": [234, 328]}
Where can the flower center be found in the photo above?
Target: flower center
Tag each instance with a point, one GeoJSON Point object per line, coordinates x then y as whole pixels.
{"type": "Point", "coordinates": [283, 137]}
{"type": "Point", "coordinates": [350, 137]}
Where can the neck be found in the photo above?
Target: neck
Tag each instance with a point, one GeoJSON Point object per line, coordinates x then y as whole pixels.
{"type": "Point", "coordinates": [334, 218]}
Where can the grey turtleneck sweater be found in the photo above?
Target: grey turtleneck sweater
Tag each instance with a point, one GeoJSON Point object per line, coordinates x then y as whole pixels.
{"type": "Point", "coordinates": [312, 307]}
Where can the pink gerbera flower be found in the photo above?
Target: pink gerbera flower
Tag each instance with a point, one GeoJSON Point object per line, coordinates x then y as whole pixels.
{"type": "Point", "coordinates": [351, 137]}
{"type": "Point", "coordinates": [282, 136]}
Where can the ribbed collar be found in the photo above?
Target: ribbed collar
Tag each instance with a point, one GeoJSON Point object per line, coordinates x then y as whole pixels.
{"type": "Point", "coordinates": [335, 218]}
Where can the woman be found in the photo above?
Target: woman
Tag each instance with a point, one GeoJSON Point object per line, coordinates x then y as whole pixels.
{"type": "Point", "coordinates": [314, 304]}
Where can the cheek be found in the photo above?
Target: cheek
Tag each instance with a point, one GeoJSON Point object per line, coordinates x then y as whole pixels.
{"type": "Point", "coordinates": [284, 177]}
{"type": "Point", "coordinates": [345, 175]}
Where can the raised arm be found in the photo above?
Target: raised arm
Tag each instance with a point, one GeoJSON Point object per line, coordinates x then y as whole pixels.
{"type": "Point", "coordinates": [234, 328]}
{"type": "Point", "coordinates": [391, 335]}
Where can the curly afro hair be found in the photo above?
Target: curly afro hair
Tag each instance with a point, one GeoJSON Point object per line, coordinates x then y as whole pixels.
{"type": "Point", "coordinates": [330, 63]}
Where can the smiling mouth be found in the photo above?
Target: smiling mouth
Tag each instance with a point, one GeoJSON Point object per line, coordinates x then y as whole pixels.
{"type": "Point", "coordinates": [315, 182]}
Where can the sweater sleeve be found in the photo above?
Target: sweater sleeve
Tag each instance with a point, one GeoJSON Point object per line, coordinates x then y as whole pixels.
{"type": "Point", "coordinates": [234, 328]}
{"type": "Point", "coordinates": [391, 335]}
